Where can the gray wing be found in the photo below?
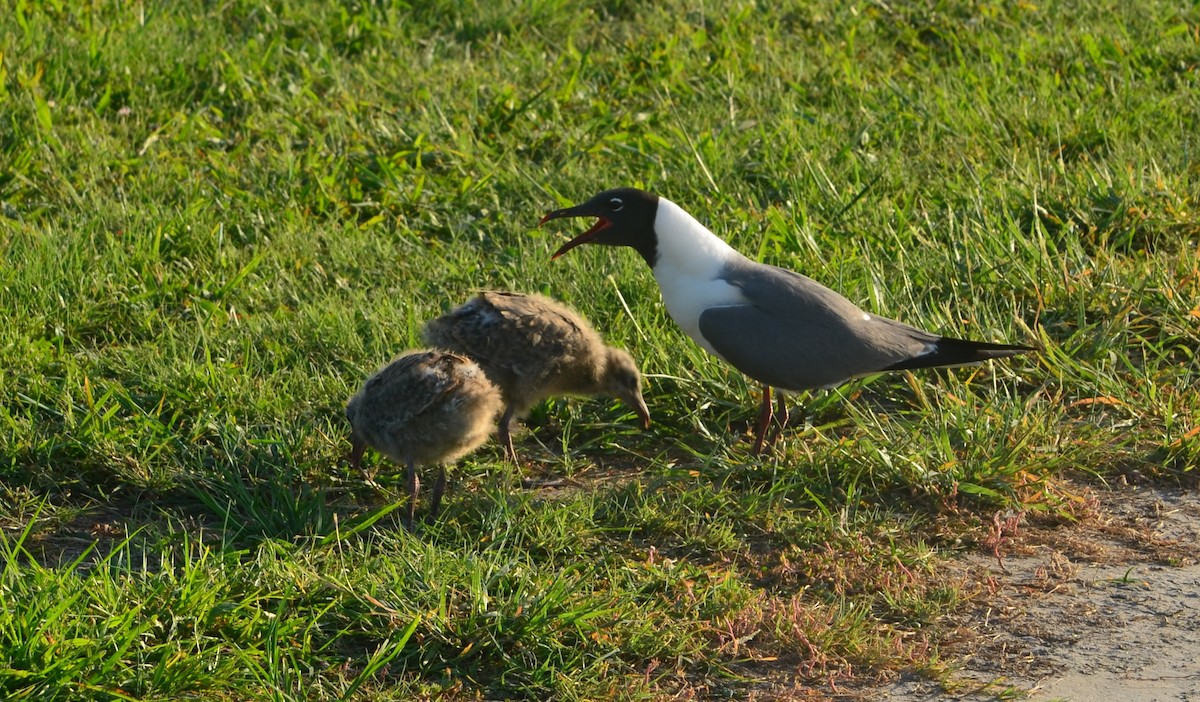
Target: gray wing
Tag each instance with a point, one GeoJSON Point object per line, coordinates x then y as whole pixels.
{"type": "Point", "coordinates": [796, 334]}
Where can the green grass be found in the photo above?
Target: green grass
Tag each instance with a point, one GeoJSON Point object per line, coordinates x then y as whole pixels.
{"type": "Point", "coordinates": [216, 218]}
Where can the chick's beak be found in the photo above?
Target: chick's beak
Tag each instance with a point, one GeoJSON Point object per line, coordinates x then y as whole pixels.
{"type": "Point", "coordinates": [642, 411]}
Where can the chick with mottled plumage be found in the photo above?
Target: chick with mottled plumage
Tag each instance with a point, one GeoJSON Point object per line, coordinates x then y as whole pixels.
{"type": "Point", "coordinates": [534, 348]}
{"type": "Point", "coordinates": [427, 406]}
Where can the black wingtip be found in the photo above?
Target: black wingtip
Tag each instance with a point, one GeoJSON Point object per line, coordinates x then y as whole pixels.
{"type": "Point", "coordinates": [959, 352]}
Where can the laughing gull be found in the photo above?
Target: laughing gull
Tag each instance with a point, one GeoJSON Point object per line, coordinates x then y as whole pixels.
{"type": "Point", "coordinates": [780, 328]}
{"type": "Point", "coordinates": [534, 348]}
{"type": "Point", "coordinates": [423, 407]}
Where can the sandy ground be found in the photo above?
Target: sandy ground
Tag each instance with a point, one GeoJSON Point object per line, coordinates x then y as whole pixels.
{"type": "Point", "coordinates": [1106, 610]}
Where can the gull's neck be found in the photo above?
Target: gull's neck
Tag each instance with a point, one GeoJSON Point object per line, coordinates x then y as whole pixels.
{"type": "Point", "coordinates": [691, 260]}
{"type": "Point", "coordinates": [686, 247]}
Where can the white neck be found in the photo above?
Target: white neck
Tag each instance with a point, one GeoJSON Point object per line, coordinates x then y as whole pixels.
{"type": "Point", "coordinates": [685, 245]}
{"type": "Point", "coordinates": [690, 259]}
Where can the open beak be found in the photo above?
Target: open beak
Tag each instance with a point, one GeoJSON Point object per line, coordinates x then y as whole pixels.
{"type": "Point", "coordinates": [600, 225]}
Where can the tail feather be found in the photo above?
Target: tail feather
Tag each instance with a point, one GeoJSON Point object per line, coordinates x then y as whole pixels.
{"type": "Point", "coordinates": [959, 352]}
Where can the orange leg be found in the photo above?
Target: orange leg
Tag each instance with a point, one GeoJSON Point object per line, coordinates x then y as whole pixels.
{"type": "Point", "coordinates": [764, 419]}
{"type": "Point", "coordinates": [784, 416]}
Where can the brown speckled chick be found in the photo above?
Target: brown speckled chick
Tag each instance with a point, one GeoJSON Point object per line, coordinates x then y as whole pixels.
{"type": "Point", "coordinates": [423, 407]}
{"type": "Point", "coordinates": [534, 348]}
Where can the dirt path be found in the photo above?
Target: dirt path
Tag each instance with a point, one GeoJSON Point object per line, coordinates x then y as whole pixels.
{"type": "Point", "coordinates": [1107, 610]}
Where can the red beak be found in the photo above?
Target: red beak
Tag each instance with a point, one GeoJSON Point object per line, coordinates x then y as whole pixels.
{"type": "Point", "coordinates": [600, 225]}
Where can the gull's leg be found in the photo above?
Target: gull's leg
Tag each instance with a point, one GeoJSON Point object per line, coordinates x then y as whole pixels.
{"type": "Point", "coordinates": [782, 413]}
{"type": "Point", "coordinates": [764, 418]}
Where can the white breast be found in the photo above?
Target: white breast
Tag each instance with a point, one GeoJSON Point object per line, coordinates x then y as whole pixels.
{"type": "Point", "coordinates": [690, 259]}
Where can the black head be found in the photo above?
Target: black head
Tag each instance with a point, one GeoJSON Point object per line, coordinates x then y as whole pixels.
{"type": "Point", "coordinates": [625, 217]}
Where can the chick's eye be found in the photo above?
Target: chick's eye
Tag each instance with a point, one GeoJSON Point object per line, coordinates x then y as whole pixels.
{"type": "Point", "coordinates": [616, 204]}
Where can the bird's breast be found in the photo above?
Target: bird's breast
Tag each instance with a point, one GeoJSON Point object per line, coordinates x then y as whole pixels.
{"type": "Point", "coordinates": [687, 297]}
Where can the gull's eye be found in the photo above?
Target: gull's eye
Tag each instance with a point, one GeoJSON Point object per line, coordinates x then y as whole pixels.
{"type": "Point", "coordinates": [616, 204]}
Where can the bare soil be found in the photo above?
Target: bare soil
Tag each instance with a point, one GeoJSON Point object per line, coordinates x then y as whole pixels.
{"type": "Point", "coordinates": [1104, 610]}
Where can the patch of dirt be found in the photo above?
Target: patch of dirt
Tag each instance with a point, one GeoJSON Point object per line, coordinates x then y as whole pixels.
{"type": "Point", "coordinates": [1105, 610]}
